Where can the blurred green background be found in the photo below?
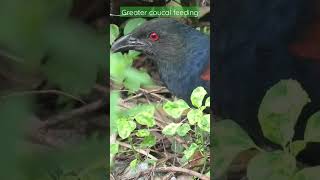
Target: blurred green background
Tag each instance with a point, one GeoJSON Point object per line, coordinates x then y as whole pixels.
{"type": "Point", "coordinates": [52, 67]}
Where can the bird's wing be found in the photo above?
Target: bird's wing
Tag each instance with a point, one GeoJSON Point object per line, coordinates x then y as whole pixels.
{"type": "Point", "coordinates": [309, 47]}
{"type": "Point", "coordinates": [206, 73]}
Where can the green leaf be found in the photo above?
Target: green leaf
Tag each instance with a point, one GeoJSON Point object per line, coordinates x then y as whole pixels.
{"type": "Point", "coordinates": [114, 33]}
{"type": "Point", "coordinates": [133, 54]}
{"type": "Point", "coordinates": [311, 173]}
{"type": "Point", "coordinates": [280, 109]}
{"type": "Point", "coordinates": [271, 166]}
{"type": "Point", "coordinates": [183, 129]}
{"type": "Point", "coordinates": [194, 116]}
{"type": "Point", "coordinates": [146, 116]}
{"type": "Point", "coordinates": [207, 103]}
{"type": "Point", "coordinates": [114, 110]}
{"type": "Point", "coordinates": [114, 148]}
{"type": "Point", "coordinates": [197, 96]}
{"type": "Point", "coordinates": [133, 24]}
{"type": "Point", "coordinates": [148, 141]}
{"type": "Point", "coordinates": [143, 133]}
{"type": "Point", "coordinates": [176, 108]}
{"type": "Point", "coordinates": [204, 123]}
{"type": "Point", "coordinates": [188, 153]}
{"type": "Point", "coordinates": [125, 127]}
{"type": "Point", "coordinates": [297, 146]}
{"type": "Point", "coordinates": [229, 140]}
{"type": "Point", "coordinates": [177, 147]}
{"type": "Point", "coordinates": [135, 79]}
{"type": "Point", "coordinates": [313, 127]}
{"type": "Point", "coordinates": [134, 164]}
{"type": "Point", "coordinates": [170, 129]}
{"type": "Point", "coordinates": [118, 66]}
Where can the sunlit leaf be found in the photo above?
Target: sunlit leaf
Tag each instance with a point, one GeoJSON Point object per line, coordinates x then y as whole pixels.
{"type": "Point", "coordinates": [143, 133]}
{"type": "Point", "coordinates": [125, 127]}
{"type": "Point", "coordinates": [170, 129]}
{"type": "Point", "coordinates": [197, 96]}
{"type": "Point", "coordinates": [148, 141]}
{"type": "Point", "coordinates": [204, 123]}
{"type": "Point", "coordinates": [176, 108]}
{"type": "Point", "coordinates": [183, 129]}
{"type": "Point", "coordinates": [194, 116]}
{"type": "Point", "coordinates": [114, 32]}
{"type": "Point", "coordinates": [188, 153]}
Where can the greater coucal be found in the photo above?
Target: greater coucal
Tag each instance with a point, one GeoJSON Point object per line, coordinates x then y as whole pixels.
{"type": "Point", "coordinates": [180, 52]}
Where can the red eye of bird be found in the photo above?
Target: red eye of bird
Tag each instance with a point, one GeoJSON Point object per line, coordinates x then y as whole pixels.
{"type": "Point", "coordinates": [154, 36]}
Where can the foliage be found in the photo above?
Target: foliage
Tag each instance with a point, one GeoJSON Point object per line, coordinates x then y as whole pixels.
{"type": "Point", "coordinates": [38, 38]}
{"type": "Point", "coordinates": [278, 114]}
{"type": "Point", "coordinates": [134, 124]}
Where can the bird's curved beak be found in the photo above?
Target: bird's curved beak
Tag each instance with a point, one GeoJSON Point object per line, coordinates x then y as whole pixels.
{"type": "Point", "coordinates": [127, 42]}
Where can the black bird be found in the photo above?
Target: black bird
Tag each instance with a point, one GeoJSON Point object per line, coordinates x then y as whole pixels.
{"type": "Point", "coordinates": [180, 52]}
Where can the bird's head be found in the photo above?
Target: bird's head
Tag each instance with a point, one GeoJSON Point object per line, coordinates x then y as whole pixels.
{"type": "Point", "coordinates": [160, 39]}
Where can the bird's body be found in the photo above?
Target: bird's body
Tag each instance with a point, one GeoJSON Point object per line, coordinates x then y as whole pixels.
{"type": "Point", "coordinates": [257, 44]}
{"type": "Point", "coordinates": [180, 52]}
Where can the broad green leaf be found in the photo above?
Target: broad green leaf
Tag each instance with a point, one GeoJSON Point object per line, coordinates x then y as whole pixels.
{"type": "Point", "coordinates": [146, 116]}
{"type": "Point", "coordinates": [194, 116]}
{"type": "Point", "coordinates": [176, 147]}
{"type": "Point", "coordinates": [114, 110]}
{"type": "Point", "coordinates": [229, 140]}
{"type": "Point", "coordinates": [135, 78]}
{"type": "Point", "coordinates": [280, 109]}
{"type": "Point", "coordinates": [134, 164]}
{"type": "Point", "coordinates": [114, 148]}
{"type": "Point", "coordinates": [143, 133]}
{"type": "Point", "coordinates": [183, 129]}
{"type": "Point", "coordinates": [148, 141]}
{"type": "Point", "coordinates": [204, 123]}
{"type": "Point", "coordinates": [297, 146]}
{"type": "Point", "coordinates": [188, 153]}
{"type": "Point", "coordinates": [312, 132]}
{"type": "Point", "coordinates": [125, 127]}
{"type": "Point", "coordinates": [114, 33]}
{"type": "Point", "coordinates": [311, 173]}
{"type": "Point", "coordinates": [176, 108]}
{"type": "Point", "coordinates": [207, 103]}
{"type": "Point", "coordinates": [271, 166]}
{"type": "Point", "coordinates": [132, 24]}
{"type": "Point", "coordinates": [133, 54]}
{"type": "Point", "coordinates": [197, 96]}
{"type": "Point", "coordinates": [170, 129]}
{"type": "Point", "coordinates": [118, 66]}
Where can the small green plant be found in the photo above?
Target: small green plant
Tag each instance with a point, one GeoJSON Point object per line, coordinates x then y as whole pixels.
{"type": "Point", "coordinates": [133, 125]}
{"type": "Point", "coordinates": [278, 114]}
{"type": "Point", "coordinates": [198, 122]}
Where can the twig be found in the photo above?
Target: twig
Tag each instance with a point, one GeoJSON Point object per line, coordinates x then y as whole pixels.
{"type": "Point", "coordinates": [177, 169]}
{"type": "Point", "coordinates": [53, 91]}
{"type": "Point", "coordinates": [141, 151]}
{"type": "Point", "coordinates": [101, 89]}
{"type": "Point", "coordinates": [69, 115]}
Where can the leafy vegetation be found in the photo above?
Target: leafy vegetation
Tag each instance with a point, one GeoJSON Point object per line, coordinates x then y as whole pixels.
{"type": "Point", "coordinates": [49, 66]}
{"type": "Point", "coordinates": [149, 132]}
{"type": "Point", "coordinates": [278, 114]}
